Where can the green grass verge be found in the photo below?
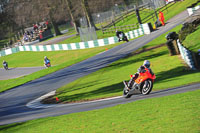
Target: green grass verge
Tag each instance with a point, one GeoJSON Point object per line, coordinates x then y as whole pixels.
{"type": "Point", "coordinates": [192, 40]}
{"type": "Point", "coordinates": [176, 113]}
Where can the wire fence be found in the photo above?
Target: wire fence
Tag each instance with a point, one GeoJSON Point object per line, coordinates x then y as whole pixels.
{"type": "Point", "coordinates": [155, 3]}
{"type": "Point", "coordinates": [105, 18]}
{"type": "Point", "coordinates": [121, 28]}
{"type": "Point", "coordinates": [87, 34]}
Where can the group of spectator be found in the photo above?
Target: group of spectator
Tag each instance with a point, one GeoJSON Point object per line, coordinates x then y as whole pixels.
{"type": "Point", "coordinates": [40, 26]}
{"type": "Point", "coordinates": [36, 31]}
{"type": "Point", "coordinates": [28, 36]}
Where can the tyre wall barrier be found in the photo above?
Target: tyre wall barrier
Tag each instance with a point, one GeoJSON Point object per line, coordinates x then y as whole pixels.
{"type": "Point", "coordinates": [192, 10]}
{"type": "Point", "coordinates": [144, 29]}
{"type": "Point", "coordinates": [186, 55]}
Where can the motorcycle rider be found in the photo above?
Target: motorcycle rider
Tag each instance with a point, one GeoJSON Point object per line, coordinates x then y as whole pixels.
{"type": "Point", "coordinates": [146, 64]}
{"type": "Point", "coordinates": [120, 35]}
{"type": "Point", "coordinates": [5, 64]}
{"type": "Point", "coordinates": [46, 61]}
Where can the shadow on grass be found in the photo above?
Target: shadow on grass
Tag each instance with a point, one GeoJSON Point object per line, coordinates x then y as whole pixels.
{"type": "Point", "coordinates": [175, 72]}
{"type": "Point", "coordinates": [114, 88]}
{"type": "Point", "coordinates": [81, 86]}
{"type": "Point", "coordinates": [5, 127]}
{"type": "Point", "coordinates": [125, 63]}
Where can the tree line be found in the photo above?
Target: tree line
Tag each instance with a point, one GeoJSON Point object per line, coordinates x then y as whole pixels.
{"type": "Point", "coordinates": [19, 14]}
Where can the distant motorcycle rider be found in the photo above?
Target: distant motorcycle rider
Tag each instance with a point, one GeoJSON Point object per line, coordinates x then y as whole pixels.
{"type": "Point", "coordinates": [121, 36]}
{"type": "Point", "coordinates": [142, 69]}
{"type": "Point", "coordinates": [46, 62]}
{"type": "Point", "coordinates": [5, 65]}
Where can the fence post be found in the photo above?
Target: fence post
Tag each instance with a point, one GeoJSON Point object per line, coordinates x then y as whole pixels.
{"type": "Point", "coordinates": [176, 46]}
{"type": "Point", "coordinates": [196, 60]}
{"type": "Point", "coordinates": [138, 15]}
{"type": "Point", "coordinates": [170, 48]}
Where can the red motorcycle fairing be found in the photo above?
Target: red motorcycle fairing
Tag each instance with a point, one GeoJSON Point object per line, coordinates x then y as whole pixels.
{"type": "Point", "coordinates": [144, 76]}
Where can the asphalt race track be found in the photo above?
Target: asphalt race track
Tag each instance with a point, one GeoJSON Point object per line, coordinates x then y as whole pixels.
{"type": "Point", "coordinates": [17, 72]}
{"type": "Point", "coordinates": [13, 102]}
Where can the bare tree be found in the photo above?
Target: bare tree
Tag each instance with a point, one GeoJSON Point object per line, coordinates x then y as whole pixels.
{"type": "Point", "coordinates": [24, 13]}
{"type": "Point", "coordinates": [75, 22]}
{"type": "Point", "coordinates": [86, 9]}
{"type": "Point", "coordinates": [52, 10]}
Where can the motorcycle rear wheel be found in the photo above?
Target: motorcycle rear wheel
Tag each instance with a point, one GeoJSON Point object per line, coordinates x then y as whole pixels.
{"type": "Point", "coordinates": [125, 39]}
{"type": "Point", "coordinates": [146, 87]}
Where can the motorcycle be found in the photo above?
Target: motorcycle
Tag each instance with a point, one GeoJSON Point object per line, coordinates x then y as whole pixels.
{"type": "Point", "coordinates": [123, 37]}
{"type": "Point", "coordinates": [5, 65]}
{"type": "Point", "coordinates": [47, 64]}
{"type": "Point", "coordinates": [143, 83]}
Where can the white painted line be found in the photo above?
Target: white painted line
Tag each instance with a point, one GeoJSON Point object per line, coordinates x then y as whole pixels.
{"type": "Point", "coordinates": [36, 103]}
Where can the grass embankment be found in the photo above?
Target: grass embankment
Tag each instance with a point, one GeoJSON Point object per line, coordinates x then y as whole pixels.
{"type": "Point", "coordinates": [107, 82]}
{"type": "Point", "coordinates": [169, 11]}
{"type": "Point", "coordinates": [176, 113]}
{"type": "Point", "coordinates": [192, 41]}
{"type": "Point", "coordinates": [59, 60]}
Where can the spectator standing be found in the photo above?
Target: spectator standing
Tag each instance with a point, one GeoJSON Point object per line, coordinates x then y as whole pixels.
{"type": "Point", "coordinates": [35, 27]}
{"type": "Point", "coordinates": [26, 38]}
{"type": "Point", "coordinates": [40, 33]}
{"type": "Point", "coordinates": [161, 18]}
{"type": "Point", "coordinates": [47, 24]}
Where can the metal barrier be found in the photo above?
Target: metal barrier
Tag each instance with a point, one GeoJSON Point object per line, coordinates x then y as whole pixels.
{"type": "Point", "coordinates": [192, 10]}
{"type": "Point", "coordinates": [186, 55]}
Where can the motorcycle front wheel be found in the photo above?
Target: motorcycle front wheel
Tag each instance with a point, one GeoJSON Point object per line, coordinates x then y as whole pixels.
{"type": "Point", "coordinates": [126, 93]}
{"type": "Point", "coordinates": [146, 87]}
{"type": "Point", "coordinates": [5, 67]}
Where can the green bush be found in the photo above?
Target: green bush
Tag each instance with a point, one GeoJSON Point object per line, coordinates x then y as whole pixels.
{"type": "Point", "coordinates": [185, 31]}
